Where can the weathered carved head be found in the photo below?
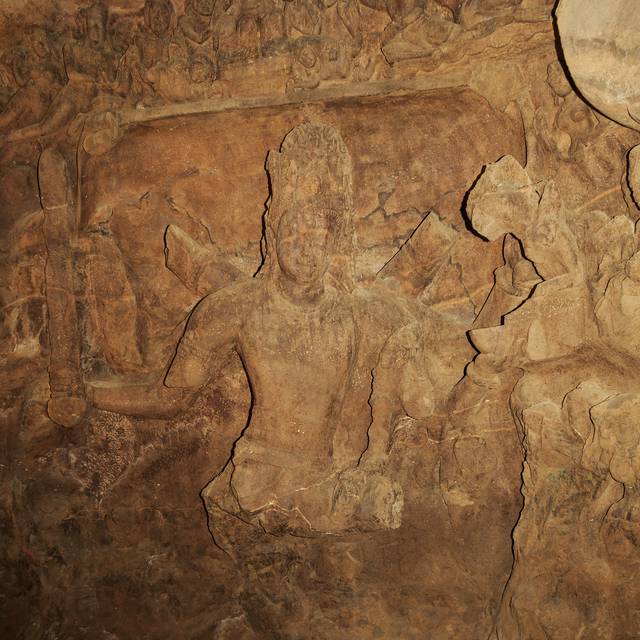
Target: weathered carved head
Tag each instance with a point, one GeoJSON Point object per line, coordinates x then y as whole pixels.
{"type": "Point", "coordinates": [95, 28]}
{"type": "Point", "coordinates": [307, 55]}
{"type": "Point", "coordinates": [203, 7]}
{"type": "Point", "coordinates": [159, 16]}
{"type": "Point", "coordinates": [310, 200]}
{"type": "Point", "coordinates": [121, 32]}
{"type": "Point", "coordinates": [39, 42]}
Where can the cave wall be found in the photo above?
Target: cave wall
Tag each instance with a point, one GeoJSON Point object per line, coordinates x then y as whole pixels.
{"type": "Point", "coordinates": [318, 321]}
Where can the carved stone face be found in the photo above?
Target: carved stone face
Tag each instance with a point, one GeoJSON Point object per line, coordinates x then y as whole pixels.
{"type": "Point", "coordinates": [121, 34]}
{"type": "Point", "coordinates": [96, 27]}
{"type": "Point", "coordinates": [307, 57]}
{"type": "Point", "coordinates": [303, 244]}
{"type": "Point", "coordinates": [158, 15]}
{"type": "Point", "coordinates": [204, 7]}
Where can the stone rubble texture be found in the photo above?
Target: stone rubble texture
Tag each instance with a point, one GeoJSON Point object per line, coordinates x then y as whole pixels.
{"type": "Point", "coordinates": [320, 320]}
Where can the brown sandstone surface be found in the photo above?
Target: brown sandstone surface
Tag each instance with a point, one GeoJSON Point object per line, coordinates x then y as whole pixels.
{"type": "Point", "coordinates": [319, 320]}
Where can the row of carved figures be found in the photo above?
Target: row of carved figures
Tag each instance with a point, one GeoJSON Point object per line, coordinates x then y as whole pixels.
{"type": "Point", "coordinates": [106, 60]}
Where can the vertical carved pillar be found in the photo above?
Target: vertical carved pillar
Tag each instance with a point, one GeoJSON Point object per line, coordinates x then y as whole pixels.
{"type": "Point", "coordinates": [67, 404]}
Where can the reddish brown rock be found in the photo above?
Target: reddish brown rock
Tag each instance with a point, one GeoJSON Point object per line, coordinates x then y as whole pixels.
{"type": "Point", "coordinates": [318, 320]}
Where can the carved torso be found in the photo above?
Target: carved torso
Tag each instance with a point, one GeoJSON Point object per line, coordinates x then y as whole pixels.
{"type": "Point", "coordinates": [314, 348]}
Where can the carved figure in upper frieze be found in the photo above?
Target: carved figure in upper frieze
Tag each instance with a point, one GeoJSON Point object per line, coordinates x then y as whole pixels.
{"type": "Point", "coordinates": [37, 56]}
{"type": "Point", "coordinates": [39, 77]}
{"type": "Point", "coordinates": [196, 22]}
{"type": "Point", "coordinates": [572, 123]}
{"type": "Point", "coordinates": [154, 37]}
{"type": "Point", "coordinates": [197, 35]}
{"type": "Point", "coordinates": [325, 40]}
{"type": "Point", "coordinates": [91, 60]}
{"type": "Point", "coordinates": [300, 298]}
{"type": "Point", "coordinates": [273, 38]}
{"type": "Point", "coordinates": [416, 29]}
{"type": "Point", "coordinates": [348, 12]}
{"type": "Point", "coordinates": [485, 16]}
{"type": "Point", "coordinates": [90, 67]}
{"type": "Point", "coordinates": [316, 59]}
{"type": "Point", "coordinates": [182, 80]}
{"type": "Point", "coordinates": [121, 30]}
{"type": "Point", "coordinates": [249, 29]}
{"type": "Point", "coordinates": [302, 17]}
{"type": "Point", "coordinates": [179, 65]}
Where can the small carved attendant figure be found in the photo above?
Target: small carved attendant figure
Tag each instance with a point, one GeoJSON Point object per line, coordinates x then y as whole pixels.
{"type": "Point", "coordinates": [90, 66]}
{"type": "Point", "coordinates": [196, 23]}
{"type": "Point", "coordinates": [153, 40]}
{"type": "Point", "coordinates": [572, 124]}
{"type": "Point", "coordinates": [39, 77]}
{"type": "Point", "coordinates": [416, 29]}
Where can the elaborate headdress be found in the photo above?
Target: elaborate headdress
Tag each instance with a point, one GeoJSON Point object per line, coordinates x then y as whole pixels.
{"type": "Point", "coordinates": [313, 168]}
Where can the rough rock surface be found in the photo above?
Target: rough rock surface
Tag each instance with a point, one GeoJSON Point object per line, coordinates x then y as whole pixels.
{"type": "Point", "coordinates": [319, 320]}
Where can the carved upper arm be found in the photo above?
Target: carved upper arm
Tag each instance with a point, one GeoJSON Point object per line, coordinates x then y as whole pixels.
{"type": "Point", "coordinates": [213, 325]}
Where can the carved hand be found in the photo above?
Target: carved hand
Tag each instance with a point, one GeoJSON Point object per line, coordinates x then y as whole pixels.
{"type": "Point", "coordinates": [67, 411]}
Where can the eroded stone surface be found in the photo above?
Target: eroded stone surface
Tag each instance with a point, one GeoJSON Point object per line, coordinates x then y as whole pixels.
{"type": "Point", "coordinates": [318, 322]}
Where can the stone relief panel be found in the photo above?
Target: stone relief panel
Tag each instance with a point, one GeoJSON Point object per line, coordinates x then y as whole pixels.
{"type": "Point", "coordinates": [79, 72]}
{"type": "Point", "coordinates": [572, 406]}
{"type": "Point", "coordinates": [359, 297]}
{"type": "Point", "coordinates": [318, 320]}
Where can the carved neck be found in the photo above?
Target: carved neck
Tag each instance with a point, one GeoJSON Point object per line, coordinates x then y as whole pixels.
{"type": "Point", "coordinates": [297, 293]}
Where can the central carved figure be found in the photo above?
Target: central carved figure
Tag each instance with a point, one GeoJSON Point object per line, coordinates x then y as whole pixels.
{"type": "Point", "coordinates": [298, 328]}
{"type": "Point", "coordinates": [294, 332]}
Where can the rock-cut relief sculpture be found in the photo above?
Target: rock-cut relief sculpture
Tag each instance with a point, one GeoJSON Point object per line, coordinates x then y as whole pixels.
{"type": "Point", "coordinates": [570, 343]}
{"type": "Point", "coordinates": [331, 368]}
{"type": "Point", "coordinates": [298, 328]}
{"type": "Point", "coordinates": [90, 67]}
{"type": "Point", "coordinates": [38, 77]}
